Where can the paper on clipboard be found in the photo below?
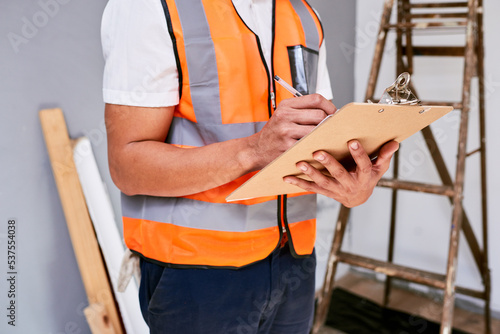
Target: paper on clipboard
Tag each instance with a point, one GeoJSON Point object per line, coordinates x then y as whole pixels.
{"type": "Point", "coordinates": [371, 124]}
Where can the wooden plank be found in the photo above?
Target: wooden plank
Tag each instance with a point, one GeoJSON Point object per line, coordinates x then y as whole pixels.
{"type": "Point", "coordinates": [108, 235]}
{"type": "Point", "coordinates": [98, 319]}
{"type": "Point", "coordinates": [87, 252]}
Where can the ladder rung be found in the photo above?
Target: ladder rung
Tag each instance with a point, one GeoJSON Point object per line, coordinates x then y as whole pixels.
{"type": "Point", "coordinates": [426, 25]}
{"type": "Point", "coordinates": [439, 5]}
{"type": "Point", "coordinates": [437, 15]}
{"type": "Point", "coordinates": [394, 270]}
{"type": "Point", "coordinates": [455, 105]}
{"type": "Point", "coordinates": [416, 186]}
{"type": "Point", "coordinates": [409, 274]}
{"type": "Point", "coordinates": [471, 292]}
{"type": "Point", "coordinates": [437, 51]}
{"type": "Point", "coordinates": [473, 152]}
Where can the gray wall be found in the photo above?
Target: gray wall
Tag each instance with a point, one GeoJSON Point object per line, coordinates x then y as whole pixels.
{"type": "Point", "coordinates": [50, 56]}
{"type": "Point", "coordinates": [338, 19]}
{"type": "Point", "coordinates": [58, 64]}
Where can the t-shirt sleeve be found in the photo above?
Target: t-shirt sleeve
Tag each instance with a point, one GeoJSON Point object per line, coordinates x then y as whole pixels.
{"type": "Point", "coordinates": [140, 67]}
{"type": "Point", "coordinates": [323, 86]}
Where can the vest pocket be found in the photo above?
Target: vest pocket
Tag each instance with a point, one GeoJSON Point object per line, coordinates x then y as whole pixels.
{"type": "Point", "coordinates": [303, 68]}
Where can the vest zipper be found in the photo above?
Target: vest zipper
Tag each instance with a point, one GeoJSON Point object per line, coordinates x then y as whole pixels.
{"type": "Point", "coordinates": [272, 99]}
{"type": "Point", "coordinates": [281, 198]}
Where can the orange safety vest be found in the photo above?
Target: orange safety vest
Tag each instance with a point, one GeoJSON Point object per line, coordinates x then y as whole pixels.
{"type": "Point", "coordinates": [226, 92]}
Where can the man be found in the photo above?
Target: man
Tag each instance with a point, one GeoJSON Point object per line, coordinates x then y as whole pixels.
{"type": "Point", "coordinates": [192, 112]}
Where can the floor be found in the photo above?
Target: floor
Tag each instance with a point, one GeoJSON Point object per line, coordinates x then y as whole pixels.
{"type": "Point", "coordinates": [406, 301]}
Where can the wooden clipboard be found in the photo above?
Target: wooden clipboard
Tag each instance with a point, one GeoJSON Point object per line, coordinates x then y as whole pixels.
{"type": "Point", "coordinates": [371, 124]}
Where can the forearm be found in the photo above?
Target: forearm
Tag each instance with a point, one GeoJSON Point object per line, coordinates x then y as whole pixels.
{"type": "Point", "coordinates": [158, 169]}
{"type": "Point", "coordinates": [142, 163]}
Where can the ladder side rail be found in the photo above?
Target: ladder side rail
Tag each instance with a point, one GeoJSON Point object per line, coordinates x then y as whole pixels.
{"type": "Point", "coordinates": [445, 177]}
{"type": "Point", "coordinates": [449, 293]}
{"type": "Point", "coordinates": [400, 67]}
{"type": "Point", "coordinates": [392, 229]}
{"type": "Point", "coordinates": [484, 191]}
{"type": "Point", "coordinates": [379, 49]}
{"type": "Point", "coordinates": [324, 299]}
{"type": "Point", "coordinates": [408, 49]}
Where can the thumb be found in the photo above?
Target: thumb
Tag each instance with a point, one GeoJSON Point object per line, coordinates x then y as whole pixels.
{"type": "Point", "coordinates": [386, 152]}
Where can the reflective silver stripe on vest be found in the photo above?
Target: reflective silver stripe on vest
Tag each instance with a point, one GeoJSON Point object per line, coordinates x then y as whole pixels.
{"type": "Point", "coordinates": [191, 213]}
{"type": "Point", "coordinates": [310, 29]}
{"type": "Point", "coordinates": [184, 132]}
{"type": "Point", "coordinates": [201, 61]}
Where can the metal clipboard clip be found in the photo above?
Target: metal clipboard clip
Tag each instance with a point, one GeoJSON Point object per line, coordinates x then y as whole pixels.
{"type": "Point", "coordinates": [399, 92]}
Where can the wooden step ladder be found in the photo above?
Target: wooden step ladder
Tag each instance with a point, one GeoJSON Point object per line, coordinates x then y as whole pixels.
{"type": "Point", "coordinates": [466, 17]}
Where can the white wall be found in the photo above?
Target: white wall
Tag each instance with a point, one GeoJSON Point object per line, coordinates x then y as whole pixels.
{"type": "Point", "coordinates": [424, 220]}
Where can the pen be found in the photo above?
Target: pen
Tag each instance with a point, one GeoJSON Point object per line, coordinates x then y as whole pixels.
{"type": "Point", "coordinates": [289, 88]}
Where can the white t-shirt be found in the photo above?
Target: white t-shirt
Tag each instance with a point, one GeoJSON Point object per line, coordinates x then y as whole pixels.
{"type": "Point", "coordinates": [140, 65]}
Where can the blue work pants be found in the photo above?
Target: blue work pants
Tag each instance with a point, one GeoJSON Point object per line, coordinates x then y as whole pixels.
{"type": "Point", "coordinates": [272, 296]}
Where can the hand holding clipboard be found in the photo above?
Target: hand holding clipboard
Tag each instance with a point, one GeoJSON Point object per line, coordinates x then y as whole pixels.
{"type": "Point", "coordinates": [372, 125]}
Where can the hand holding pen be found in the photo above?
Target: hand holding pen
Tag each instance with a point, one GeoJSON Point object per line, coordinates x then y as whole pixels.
{"type": "Point", "coordinates": [290, 121]}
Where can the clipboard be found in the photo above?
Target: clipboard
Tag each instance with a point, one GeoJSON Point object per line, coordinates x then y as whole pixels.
{"type": "Point", "coordinates": [371, 124]}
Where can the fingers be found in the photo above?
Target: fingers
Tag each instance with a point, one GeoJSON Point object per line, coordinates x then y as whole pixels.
{"type": "Point", "coordinates": [387, 151]}
{"type": "Point", "coordinates": [301, 131]}
{"type": "Point", "coordinates": [335, 168]}
{"type": "Point", "coordinates": [299, 116]}
{"type": "Point", "coordinates": [363, 162]}
{"type": "Point", "coordinates": [306, 185]}
{"type": "Point", "coordinates": [385, 156]}
{"type": "Point", "coordinates": [364, 166]}
{"type": "Point", "coordinates": [349, 188]}
{"type": "Point", "coordinates": [320, 184]}
{"type": "Point", "coordinates": [340, 180]}
{"type": "Point", "coordinates": [293, 119]}
{"type": "Point", "coordinates": [289, 134]}
{"type": "Point", "coordinates": [312, 101]}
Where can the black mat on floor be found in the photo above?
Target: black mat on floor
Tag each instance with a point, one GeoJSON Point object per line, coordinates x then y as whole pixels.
{"type": "Point", "coordinates": [353, 314]}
